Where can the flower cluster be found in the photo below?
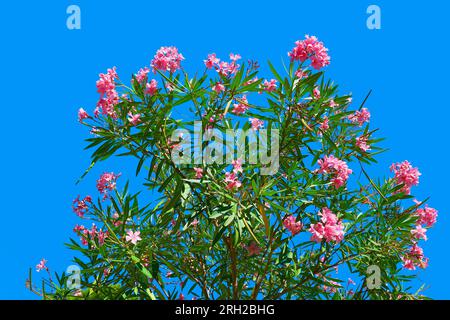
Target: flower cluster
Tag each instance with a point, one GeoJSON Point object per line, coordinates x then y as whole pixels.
{"type": "Point", "coordinates": [91, 234]}
{"type": "Point", "coordinates": [152, 87]}
{"type": "Point", "coordinates": [167, 59]}
{"type": "Point", "coordinates": [241, 106]}
{"type": "Point", "coordinates": [142, 75]}
{"type": "Point", "coordinates": [405, 175]}
{"type": "Point", "coordinates": [292, 225]}
{"type": "Point", "coordinates": [360, 117]}
{"type": "Point", "coordinates": [426, 216]}
{"type": "Point", "coordinates": [82, 114]}
{"type": "Point", "coordinates": [414, 258]}
{"type": "Point", "coordinates": [312, 49]}
{"type": "Point", "coordinates": [361, 143]}
{"type": "Point", "coordinates": [80, 207]}
{"type": "Point", "coordinates": [332, 165]}
{"type": "Point", "coordinates": [256, 123]}
{"type": "Point", "coordinates": [222, 67]}
{"type": "Point", "coordinates": [107, 182]}
{"type": "Point", "coordinates": [270, 86]}
{"type": "Point", "coordinates": [231, 179]}
{"type": "Point", "coordinates": [109, 97]}
{"type": "Point", "coordinates": [329, 228]}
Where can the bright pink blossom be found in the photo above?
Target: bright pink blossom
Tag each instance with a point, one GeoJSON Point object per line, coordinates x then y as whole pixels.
{"type": "Point", "coordinates": [134, 119]}
{"type": "Point", "coordinates": [336, 167]}
{"type": "Point", "coordinates": [237, 165]}
{"type": "Point", "coordinates": [80, 207]}
{"type": "Point", "coordinates": [316, 93]}
{"type": "Point", "coordinates": [414, 258]}
{"type": "Point", "coordinates": [142, 74]}
{"type": "Point", "coordinates": [167, 59]}
{"type": "Point", "coordinates": [361, 143]}
{"type": "Point", "coordinates": [232, 181]}
{"type": "Point", "coordinates": [107, 182]}
{"type": "Point", "coordinates": [329, 228]}
{"type": "Point", "coordinates": [211, 61]}
{"type": "Point", "coordinates": [198, 173]}
{"type": "Point", "coordinates": [270, 86]}
{"type": "Point", "coordinates": [324, 126]}
{"type": "Point", "coordinates": [360, 117]}
{"type": "Point", "coordinates": [152, 87]}
{"type": "Point", "coordinates": [292, 225]}
{"type": "Point", "coordinates": [109, 97]}
{"type": "Point", "coordinates": [218, 87]}
{"type": "Point", "coordinates": [242, 105]}
{"type": "Point", "coordinates": [406, 175]}
{"type": "Point", "coordinates": [227, 68]}
{"type": "Point", "coordinates": [427, 216]}
{"type": "Point", "coordinates": [82, 114]}
{"type": "Point", "coordinates": [312, 49]}
{"type": "Point", "coordinates": [419, 232]}
{"type": "Point", "coordinates": [300, 74]}
{"type": "Point", "coordinates": [256, 123]}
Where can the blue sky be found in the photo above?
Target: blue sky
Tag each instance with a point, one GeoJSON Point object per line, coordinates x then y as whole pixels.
{"type": "Point", "coordinates": [48, 72]}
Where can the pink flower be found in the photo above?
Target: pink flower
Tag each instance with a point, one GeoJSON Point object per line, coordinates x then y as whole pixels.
{"type": "Point", "coordinates": [242, 106]}
{"type": "Point", "coordinates": [360, 117]}
{"type": "Point", "coordinates": [253, 249]}
{"type": "Point", "coordinates": [292, 225]}
{"type": "Point", "coordinates": [133, 237]}
{"type": "Point", "coordinates": [419, 232]}
{"type": "Point", "coordinates": [361, 143]}
{"type": "Point", "coordinates": [270, 86]}
{"type": "Point", "coordinates": [256, 123]}
{"type": "Point", "coordinates": [300, 74]}
{"type": "Point", "coordinates": [218, 87]}
{"type": "Point", "coordinates": [142, 74]}
{"type": "Point", "coordinates": [109, 97]}
{"type": "Point", "coordinates": [82, 115]}
{"type": "Point", "coordinates": [329, 228]}
{"type": "Point", "coordinates": [80, 207]}
{"type": "Point", "coordinates": [198, 173]}
{"type": "Point", "coordinates": [181, 297]}
{"type": "Point", "coordinates": [324, 126]}
{"type": "Point", "coordinates": [317, 232]}
{"type": "Point", "coordinates": [312, 49]}
{"type": "Point", "coordinates": [225, 68]}
{"type": "Point", "coordinates": [134, 119]}
{"type": "Point", "coordinates": [107, 182]}
{"type": "Point", "coordinates": [333, 103]}
{"type": "Point", "coordinates": [336, 167]}
{"type": "Point", "coordinates": [167, 59]}
{"type": "Point", "coordinates": [405, 174]}
{"type": "Point", "coordinates": [41, 265]}
{"type": "Point", "coordinates": [427, 216]}
{"type": "Point", "coordinates": [232, 181]}
{"type": "Point", "coordinates": [414, 258]}
{"type": "Point", "coordinates": [234, 57]}
{"type": "Point", "coordinates": [316, 93]}
{"type": "Point", "coordinates": [237, 165]}
{"type": "Point", "coordinates": [211, 61]}
{"type": "Point", "coordinates": [152, 87]}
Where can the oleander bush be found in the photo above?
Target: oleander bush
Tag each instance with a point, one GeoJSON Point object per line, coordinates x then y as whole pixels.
{"type": "Point", "coordinates": [316, 227]}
